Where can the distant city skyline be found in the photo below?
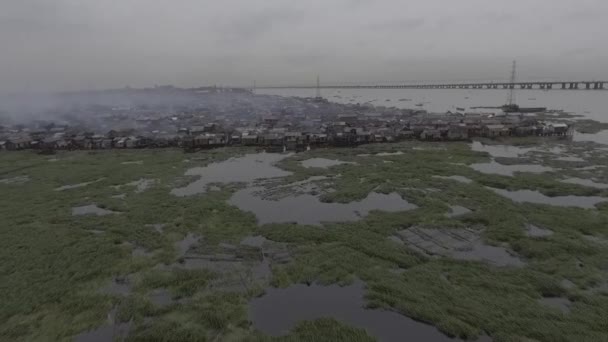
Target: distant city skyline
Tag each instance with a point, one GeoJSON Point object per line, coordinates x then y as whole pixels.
{"type": "Point", "coordinates": [70, 45]}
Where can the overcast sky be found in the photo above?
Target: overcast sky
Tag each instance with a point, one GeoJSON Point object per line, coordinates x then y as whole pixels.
{"type": "Point", "coordinates": [83, 44]}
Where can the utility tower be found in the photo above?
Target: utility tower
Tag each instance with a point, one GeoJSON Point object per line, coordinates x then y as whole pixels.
{"type": "Point", "coordinates": [511, 98]}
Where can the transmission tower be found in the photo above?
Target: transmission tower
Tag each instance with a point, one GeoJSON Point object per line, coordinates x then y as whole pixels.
{"type": "Point", "coordinates": [318, 94]}
{"type": "Point", "coordinates": [511, 98]}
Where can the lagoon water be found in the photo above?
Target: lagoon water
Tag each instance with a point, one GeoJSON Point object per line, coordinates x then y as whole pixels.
{"type": "Point", "coordinates": [591, 104]}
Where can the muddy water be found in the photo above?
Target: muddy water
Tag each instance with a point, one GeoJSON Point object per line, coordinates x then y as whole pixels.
{"type": "Point", "coordinates": [322, 163]}
{"type": "Point", "coordinates": [243, 169]}
{"type": "Point", "coordinates": [508, 170]}
{"type": "Point", "coordinates": [586, 182]}
{"type": "Point", "coordinates": [280, 310]}
{"type": "Point", "coordinates": [529, 196]}
{"type": "Point", "coordinates": [91, 209]}
{"type": "Point", "coordinates": [307, 209]}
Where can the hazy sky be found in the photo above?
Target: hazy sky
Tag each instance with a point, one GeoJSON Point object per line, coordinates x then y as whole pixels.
{"type": "Point", "coordinates": [76, 44]}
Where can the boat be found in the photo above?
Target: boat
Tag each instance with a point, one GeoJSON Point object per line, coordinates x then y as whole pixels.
{"type": "Point", "coordinates": [460, 109]}
{"type": "Point", "coordinates": [513, 108]}
{"type": "Point", "coordinates": [419, 104]}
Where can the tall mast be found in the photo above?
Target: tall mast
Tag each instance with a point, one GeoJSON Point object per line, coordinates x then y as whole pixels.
{"type": "Point", "coordinates": [511, 98]}
{"type": "Point", "coordinates": [318, 94]}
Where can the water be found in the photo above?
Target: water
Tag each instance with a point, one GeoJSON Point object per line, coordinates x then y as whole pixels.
{"type": "Point", "coordinates": [307, 209]}
{"type": "Point", "coordinates": [117, 287]}
{"type": "Point", "coordinates": [570, 159]}
{"type": "Point", "coordinates": [585, 182]}
{"type": "Point", "coordinates": [600, 138]}
{"type": "Point", "coordinates": [91, 209]}
{"type": "Point", "coordinates": [184, 245]}
{"type": "Point", "coordinates": [76, 186]}
{"type": "Point", "coordinates": [529, 196]}
{"type": "Point", "coordinates": [562, 304]}
{"type": "Point", "coordinates": [280, 310]}
{"type": "Point", "coordinates": [242, 169]}
{"type": "Point", "coordinates": [534, 231]}
{"type": "Point", "coordinates": [461, 179]}
{"type": "Point", "coordinates": [141, 185]}
{"type": "Point", "coordinates": [506, 151]}
{"type": "Point", "coordinates": [15, 180]}
{"type": "Point", "coordinates": [508, 170]}
{"type": "Point", "coordinates": [461, 244]}
{"type": "Point", "coordinates": [109, 331]}
{"type": "Point", "coordinates": [161, 297]}
{"type": "Point", "coordinates": [158, 227]}
{"type": "Point", "coordinates": [253, 241]}
{"type": "Point", "coordinates": [591, 104]}
{"type": "Point", "coordinates": [135, 162]}
{"type": "Point", "coordinates": [322, 163]}
{"type": "Point", "coordinates": [388, 154]}
{"type": "Point", "coordinates": [456, 210]}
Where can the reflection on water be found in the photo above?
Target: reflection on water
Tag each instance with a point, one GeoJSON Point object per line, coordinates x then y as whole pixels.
{"type": "Point", "coordinates": [243, 169]}
{"type": "Point", "coordinates": [508, 170]}
{"type": "Point", "coordinates": [529, 196]}
{"type": "Point", "coordinates": [280, 310]}
{"type": "Point", "coordinates": [307, 209]}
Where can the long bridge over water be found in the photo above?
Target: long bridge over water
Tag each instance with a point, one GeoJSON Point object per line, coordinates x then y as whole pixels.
{"type": "Point", "coordinates": [544, 85]}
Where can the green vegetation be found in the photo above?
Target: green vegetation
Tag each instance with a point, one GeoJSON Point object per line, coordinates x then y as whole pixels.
{"type": "Point", "coordinates": [55, 265]}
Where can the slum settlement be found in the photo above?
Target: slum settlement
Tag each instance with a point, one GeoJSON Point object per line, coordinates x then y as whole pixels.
{"type": "Point", "coordinates": [208, 117]}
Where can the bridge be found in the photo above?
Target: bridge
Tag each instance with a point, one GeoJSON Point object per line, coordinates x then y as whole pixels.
{"type": "Point", "coordinates": [570, 85]}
